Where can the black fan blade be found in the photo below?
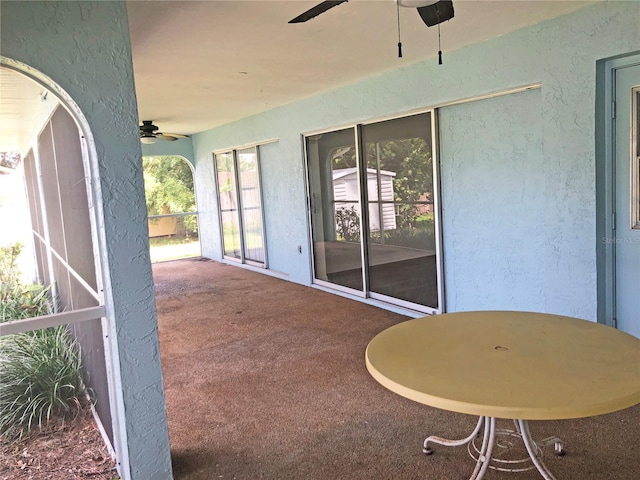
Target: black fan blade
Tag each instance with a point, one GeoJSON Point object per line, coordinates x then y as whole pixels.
{"type": "Point", "coordinates": [436, 13]}
{"type": "Point", "coordinates": [317, 10]}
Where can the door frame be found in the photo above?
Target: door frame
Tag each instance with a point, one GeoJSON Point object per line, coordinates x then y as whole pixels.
{"type": "Point", "coordinates": [606, 184]}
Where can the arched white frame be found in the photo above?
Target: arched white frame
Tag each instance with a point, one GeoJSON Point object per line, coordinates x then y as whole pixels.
{"type": "Point", "coordinates": [104, 311]}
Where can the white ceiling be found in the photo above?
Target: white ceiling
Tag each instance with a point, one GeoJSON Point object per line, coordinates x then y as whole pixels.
{"type": "Point", "coordinates": [201, 64]}
{"type": "Point", "coordinates": [20, 100]}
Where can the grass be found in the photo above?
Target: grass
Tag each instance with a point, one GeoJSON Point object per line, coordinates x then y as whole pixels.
{"type": "Point", "coordinates": [163, 249]}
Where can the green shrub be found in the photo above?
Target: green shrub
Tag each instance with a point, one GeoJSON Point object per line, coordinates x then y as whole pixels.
{"type": "Point", "coordinates": [40, 371]}
{"type": "Point", "coordinates": [19, 301]}
{"type": "Point", "coordinates": [348, 224]}
{"type": "Point", "coordinates": [40, 377]}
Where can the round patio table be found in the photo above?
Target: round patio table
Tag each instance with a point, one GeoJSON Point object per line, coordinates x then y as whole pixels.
{"type": "Point", "coordinates": [506, 364]}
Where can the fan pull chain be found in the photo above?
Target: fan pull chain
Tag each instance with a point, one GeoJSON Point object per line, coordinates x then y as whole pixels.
{"type": "Point", "coordinates": [399, 41]}
{"type": "Point", "coordinates": [439, 47]}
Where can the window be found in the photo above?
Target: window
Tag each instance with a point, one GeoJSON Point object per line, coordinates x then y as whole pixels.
{"type": "Point", "coordinates": [240, 204]}
{"type": "Point", "coordinates": [388, 250]}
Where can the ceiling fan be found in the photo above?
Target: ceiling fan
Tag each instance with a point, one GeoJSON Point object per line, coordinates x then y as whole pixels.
{"type": "Point", "coordinates": [432, 12]}
{"type": "Point", "coordinates": [149, 133]}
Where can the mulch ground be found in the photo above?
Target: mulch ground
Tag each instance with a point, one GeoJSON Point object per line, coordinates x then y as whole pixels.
{"type": "Point", "coordinates": [69, 450]}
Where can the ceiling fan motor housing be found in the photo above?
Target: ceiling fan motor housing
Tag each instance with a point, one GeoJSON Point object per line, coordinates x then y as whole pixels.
{"type": "Point", "coordinates": [149, 133]}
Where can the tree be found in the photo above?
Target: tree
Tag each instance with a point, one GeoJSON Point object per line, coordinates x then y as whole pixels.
{"type": "Point", "coordinates": [411, 161]}
{"type": "Point", "coordinates": [168, 188]}
{"type": "Point", "coordinates": [168, 185]}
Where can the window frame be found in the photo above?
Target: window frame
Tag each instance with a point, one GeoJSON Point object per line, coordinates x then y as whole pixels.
{"type": "Point", "coordinates": [233, 152]}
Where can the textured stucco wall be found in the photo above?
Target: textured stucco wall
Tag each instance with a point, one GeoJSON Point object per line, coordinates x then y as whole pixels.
{"type": "Point", "coordinates": [84, 47]}
{"type": "Point", "coordinates": [494, 195]}
{"type": "Point", "coordinates": [561, 54]}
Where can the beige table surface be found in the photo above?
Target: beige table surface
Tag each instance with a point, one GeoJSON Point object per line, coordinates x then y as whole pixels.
{"type": "Point", "coordinates": [515, 365]}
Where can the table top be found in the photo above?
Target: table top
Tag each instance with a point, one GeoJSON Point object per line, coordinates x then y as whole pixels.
{"type": "Point", "coordinates": [502, 364]}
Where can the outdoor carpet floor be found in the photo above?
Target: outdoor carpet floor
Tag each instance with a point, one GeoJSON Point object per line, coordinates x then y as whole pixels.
{"type": "Point", "coordinates": [265, 379]}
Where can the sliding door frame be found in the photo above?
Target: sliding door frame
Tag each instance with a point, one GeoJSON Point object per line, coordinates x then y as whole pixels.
{"type": "Point", "coordinates": [310, 201]}
{"type": "Point", "coordinates": [364, 212]}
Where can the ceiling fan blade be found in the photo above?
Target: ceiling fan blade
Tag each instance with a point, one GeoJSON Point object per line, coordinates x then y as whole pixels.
{"type": "Point", "coordinates": [166, 137]}
{"type": "Point", "coordinates": [172, 137]}
{"type": "Point", "coordinates": [436, 13]}
{"type": "Point", "coordinates": [317, 10]}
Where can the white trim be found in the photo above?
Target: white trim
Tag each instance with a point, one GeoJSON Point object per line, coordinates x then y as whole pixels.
{"type": "Point", "coordinates": [350, 126]}
{"type": "Point", "coordinates": [101, 429]}
{"type": "Point", "coordinates": [418, 111]}
{"type": "Point", "coordinates": [263, 225]}
{"type": "Point", "coordinates": [487, 96]}
{"type": "Point", "coordinates": [334, 287]}
{"type": "Point", "coordinates": [436, 159]}
{"type": "Point", "coordinates": [404, 304]}
{"type": "Point", "coordinates": [246, 145]}
{"type": "Point", "coordinates": [370, 301]}
{"type": "Point", "coordinates": [53, 320]}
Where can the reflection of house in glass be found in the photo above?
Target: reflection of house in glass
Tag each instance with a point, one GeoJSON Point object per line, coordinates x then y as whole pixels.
{"type": "Point", "coordinates": [345, 195]}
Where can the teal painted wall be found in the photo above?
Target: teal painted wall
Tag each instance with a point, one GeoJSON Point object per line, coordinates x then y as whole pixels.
{"type": "Point", "coordinates": [84, 48]}
{"type": "Point", "coordinates": [182, 147]}
{"type": "Point", "coordinates": [561, 55]}
{"type": "Point", "coordinates": [494, 197]}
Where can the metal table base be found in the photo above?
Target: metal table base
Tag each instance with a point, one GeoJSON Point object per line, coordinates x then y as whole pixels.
{"type": "Point", "coordinates": [485, 456]}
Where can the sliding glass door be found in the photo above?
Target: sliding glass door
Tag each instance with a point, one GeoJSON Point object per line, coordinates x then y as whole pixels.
{"type": "Point", "coordinates": [240, 203]}
{"type": "Point", "coordinates": [228, 204]}
{"type": "Point", "coordinates": [335, 208]}
{"type": "Point", "coordinates": [388, 250]}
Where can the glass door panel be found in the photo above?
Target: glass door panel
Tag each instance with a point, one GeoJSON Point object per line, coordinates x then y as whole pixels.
{"type": "Point", "coordinates": [400, 198]}
{"type": "Point", "coordinates": [251, 204]}
{"type": "Point", "coordinates": [228, 202]}
{"type": "Point", "coordinates": [335, 208]}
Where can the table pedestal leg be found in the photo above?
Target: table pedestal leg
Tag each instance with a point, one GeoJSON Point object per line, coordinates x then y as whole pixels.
{"type": "Point", "coordinates": [532, 448]}
{"type": "Point", "coordinates": [483, 455]}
